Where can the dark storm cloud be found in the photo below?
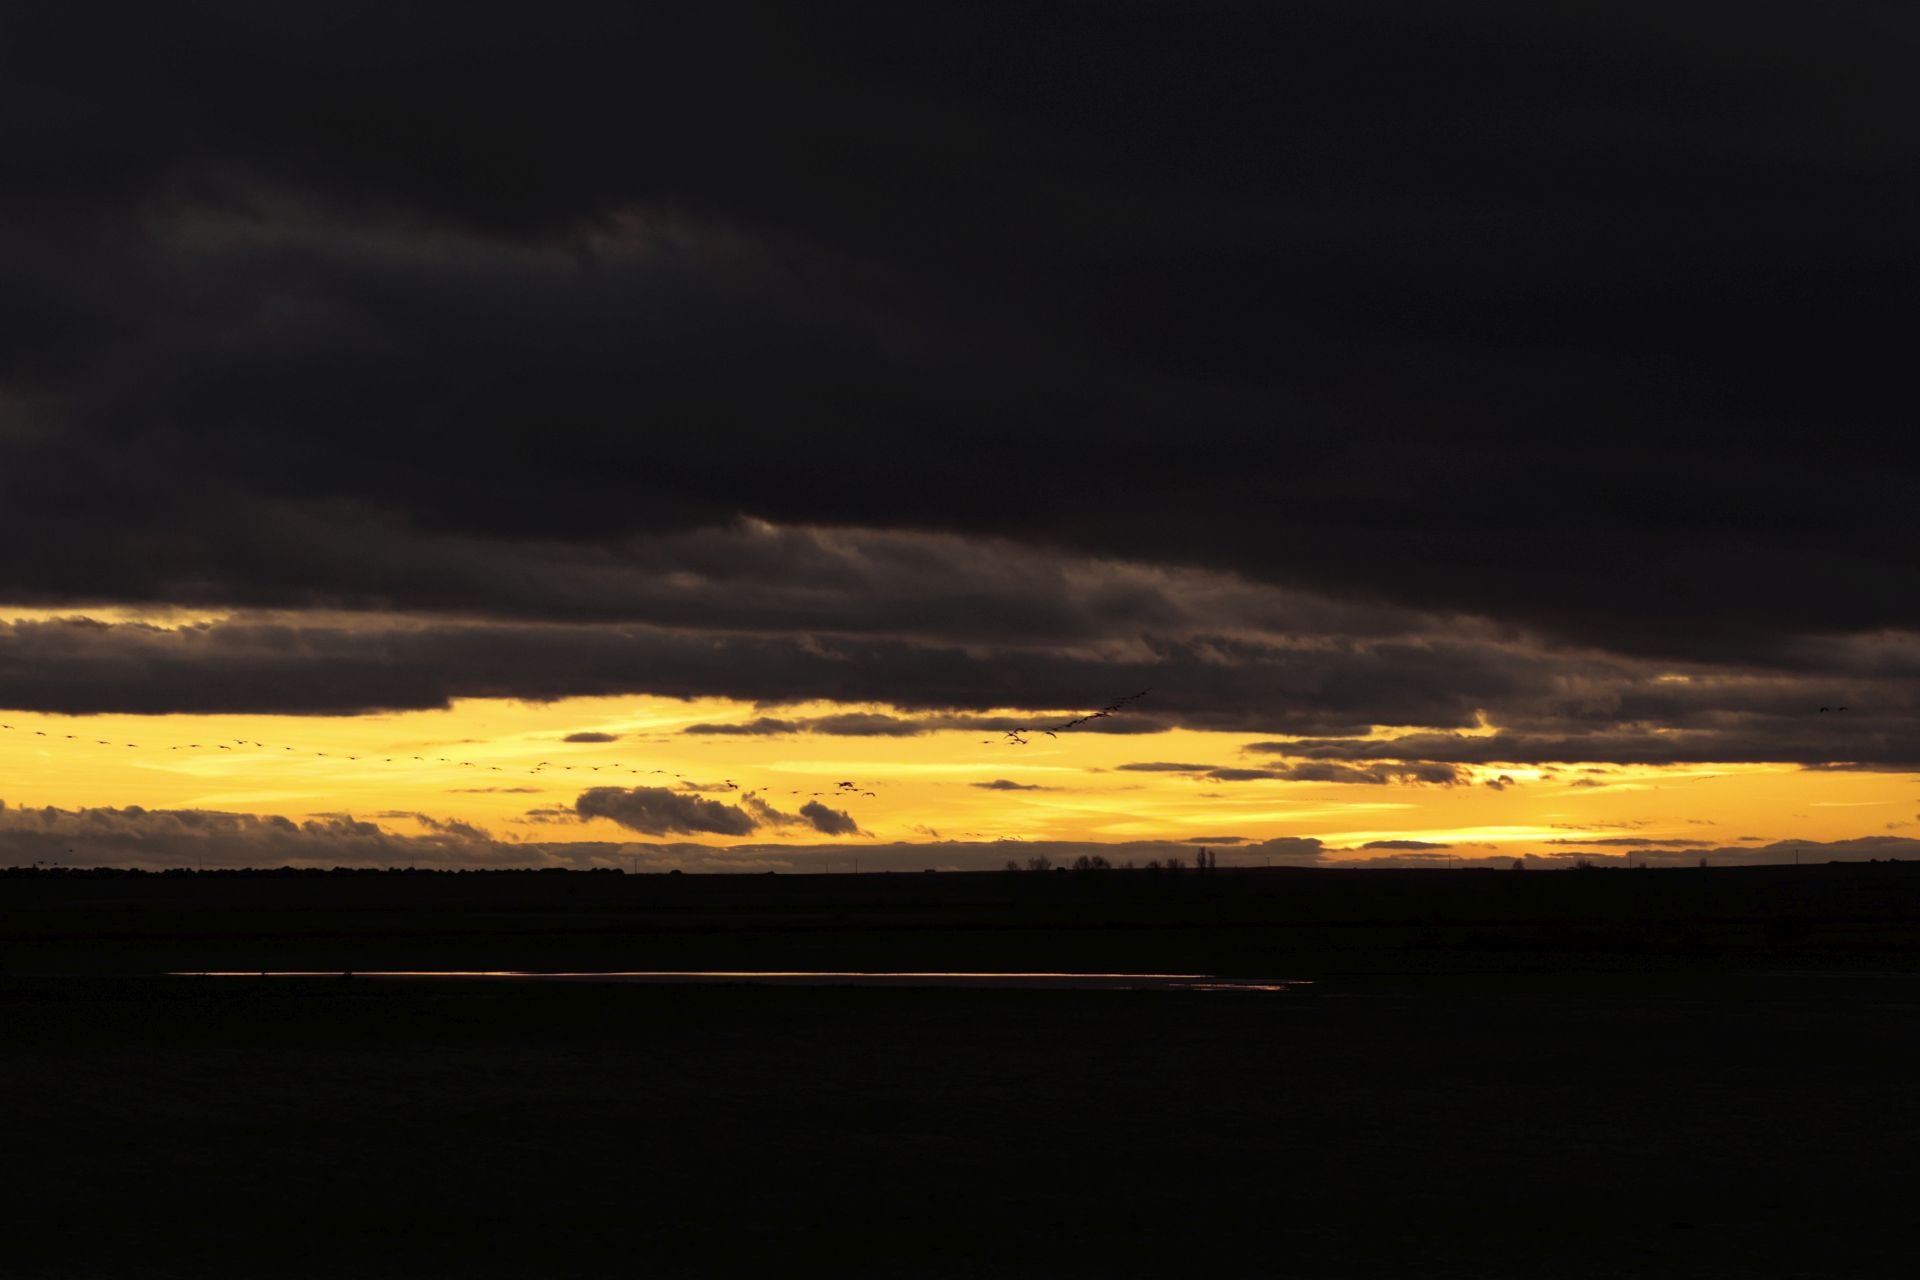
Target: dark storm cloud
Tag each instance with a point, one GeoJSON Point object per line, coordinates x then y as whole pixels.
{"type": "Point", "coordinates": [1568, 318]}
{"type": "Point", "coordinates": [656, 811]}
{"type": "Point", "coordinates": [1549, 704]}
{"type": "Point", "coordinates": [591, 737]}
{"type": "Point", "coordinates": [294, 662]}
{"type": "Point", "coordinates": [1893, 747]}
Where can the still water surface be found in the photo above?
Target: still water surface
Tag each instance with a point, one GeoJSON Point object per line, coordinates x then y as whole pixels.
{"type": "Point", "coordinates": [802, 977]}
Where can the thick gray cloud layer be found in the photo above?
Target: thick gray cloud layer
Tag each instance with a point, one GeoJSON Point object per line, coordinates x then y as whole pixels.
{"type": "Point", "coordinates": [1326, 693]}
{"type": "Point", "coordinates": [1570, 318]}
{"type": "Point", "coordinates": [1324, 366]}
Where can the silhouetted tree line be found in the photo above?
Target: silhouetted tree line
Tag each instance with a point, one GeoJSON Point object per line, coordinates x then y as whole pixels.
{"type": "Point", "coordinates": [1204, 860]}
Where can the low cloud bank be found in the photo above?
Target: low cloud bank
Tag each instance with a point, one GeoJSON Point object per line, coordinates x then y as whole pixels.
{"type": "Point", "coordinates": [157, 839]}
{"type": "Point", "coordinates": [657, 811]}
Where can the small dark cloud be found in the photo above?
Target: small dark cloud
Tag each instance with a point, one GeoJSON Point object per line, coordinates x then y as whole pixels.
{"type": "Point", "coordinates": [1008, 784]}
{"type": "Point", "coordinates": [868, 725]}
{"type": "Point", "coordinates": [1216, 840]}
{"type": "Point", "coordinates": [1375, 774]}
{"type": "Point", "coordinates": [764, 727]}
{"type": "Point", "coordinates": [1411, 846]}
{"type": "Point", "coordinates": [446, 826]}
{"type": "Point", "coordinates": [1300, 849]}
{"type": "Point", "coordinates": [832, 822]}
{"type": "Point", "coordinates": [656, 811]}
{"type": "Point", "coordinates": [591, 737]}
{"type": "Point", "coordinates": [548, 816]}
{"type": "Point", "coordinates": [490, 791]}
{"type": "Point", "coordinates": [1162, 766]}
{"type": "Point", "coordinates": [453, 827]}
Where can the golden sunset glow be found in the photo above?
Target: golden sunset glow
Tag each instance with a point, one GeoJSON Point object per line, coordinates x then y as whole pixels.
{"type": "Point", "coordinates": [505, 766]}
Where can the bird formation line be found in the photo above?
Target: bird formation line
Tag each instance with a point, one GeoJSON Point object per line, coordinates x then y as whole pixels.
{"type": "Point", "coordinates": [667, 777]}
{"type": "Point", "coordinates": [1020, 736]}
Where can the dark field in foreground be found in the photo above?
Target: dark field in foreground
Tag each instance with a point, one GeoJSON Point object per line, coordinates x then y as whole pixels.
{"type": "Point", "coordinates": [1285, 922]}
{"type": "Point", "coordinates": [1669, 1093]}
{"type": "Point", "coordinates": [1628, 1126]}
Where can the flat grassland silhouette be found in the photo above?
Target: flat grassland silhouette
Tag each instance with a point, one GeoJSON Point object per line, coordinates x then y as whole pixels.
{"type": "Point", "coordinates": [1646, 1073]}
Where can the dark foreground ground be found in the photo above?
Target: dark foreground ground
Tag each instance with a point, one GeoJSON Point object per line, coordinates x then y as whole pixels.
{"type": "Point", "coordinates": [1710, 1091]}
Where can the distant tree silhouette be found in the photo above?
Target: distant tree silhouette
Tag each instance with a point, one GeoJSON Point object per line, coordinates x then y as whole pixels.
{"type": "Point", "coordinates": [1519, 864]}
{"type": "Point", "coordinates": [1039, 863]}
{"type": "Point", "coordinates": [1012, 865]}
{"type": "Point", "coordinates": [1092, 862]}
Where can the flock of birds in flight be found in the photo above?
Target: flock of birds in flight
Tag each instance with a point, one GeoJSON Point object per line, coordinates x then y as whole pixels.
{"type": "Point", "coordinates": [844, 789]}
{"type": "Point", "coordinates": [1019, 737]}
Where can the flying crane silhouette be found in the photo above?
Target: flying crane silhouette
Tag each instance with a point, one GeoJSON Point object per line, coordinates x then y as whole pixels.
{"type": "Point", "coordinates": [1018, 737]}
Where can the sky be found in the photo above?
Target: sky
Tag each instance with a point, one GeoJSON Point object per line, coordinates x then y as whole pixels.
{"type": "Point", "coordinates": [706, 435]}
